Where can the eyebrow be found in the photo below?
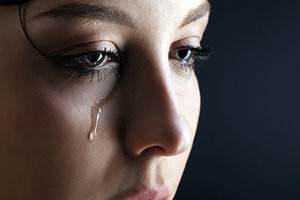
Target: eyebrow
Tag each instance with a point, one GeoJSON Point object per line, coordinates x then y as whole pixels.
{"type": "Point", "coordinates": [110, 14]}
{"type": "Point", "coordinates": [103, 13]}
{"type": "Point", "coordinates": [196, 14]}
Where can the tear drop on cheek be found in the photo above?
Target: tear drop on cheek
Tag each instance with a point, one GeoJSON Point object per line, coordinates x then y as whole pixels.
{"type": "Point", "coordinates": [96, 110]}
{"type": "Point", "coordinates": [95, 115]}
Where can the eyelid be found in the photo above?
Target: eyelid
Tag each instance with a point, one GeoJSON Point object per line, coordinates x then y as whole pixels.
{"type": "Point", "coordinates": [186, 42]}
{"type": "Point", "coordinates": [82, 49]}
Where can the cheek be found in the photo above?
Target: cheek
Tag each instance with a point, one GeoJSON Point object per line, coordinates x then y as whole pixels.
{"type": "Point", "coordinates": [175, 168]}
{"type": "Point", "coordinates": [36, 118]}
{"type": "Point", "coordinates": [43, 131]}
{"type": "Point", "coordinates": [188, 96]}
{"type": "Point", "coordinates": [41, 128]}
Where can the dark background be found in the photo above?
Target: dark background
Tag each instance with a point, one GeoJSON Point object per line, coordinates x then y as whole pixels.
{"type": "Point", "coordinates": [248, 140]}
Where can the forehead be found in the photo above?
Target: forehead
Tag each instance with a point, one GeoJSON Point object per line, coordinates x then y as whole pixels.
{"type": "Point", "coordinates": [141, 11]}
{"type": "Point", "coordinates": [159, 22]}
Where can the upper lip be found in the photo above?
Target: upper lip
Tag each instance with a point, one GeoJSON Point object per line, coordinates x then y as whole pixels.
{"type": "Point", "coordinates": [161, 193]}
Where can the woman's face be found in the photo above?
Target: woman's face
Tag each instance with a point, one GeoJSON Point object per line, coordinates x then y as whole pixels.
{"type": "Point", "coordinates": [138, 91]}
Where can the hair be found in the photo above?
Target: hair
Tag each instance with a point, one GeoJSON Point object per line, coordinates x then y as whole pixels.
{"type": "Point", "coordinates": [11, 2]}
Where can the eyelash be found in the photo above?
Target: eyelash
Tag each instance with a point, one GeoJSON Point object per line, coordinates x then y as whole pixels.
{"type": "Point", "coordinates": [79, 65]}
{"type": "Point", "coordinates": [199, 55]}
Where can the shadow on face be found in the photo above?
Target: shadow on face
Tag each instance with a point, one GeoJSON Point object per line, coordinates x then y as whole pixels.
{"type": "Point", "coordinates": [119, 70]}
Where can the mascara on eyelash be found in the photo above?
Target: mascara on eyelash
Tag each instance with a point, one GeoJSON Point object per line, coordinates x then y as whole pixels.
{"type": "Point", "coordinates": [81, 67]}
{"type": "Point", "coordinates": [104, 52]}
{"type": "Point", "coordinates": [79, 59]}
{"type": "Point", "coordinates": [202, 53]}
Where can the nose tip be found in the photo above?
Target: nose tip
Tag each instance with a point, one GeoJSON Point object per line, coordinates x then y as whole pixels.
{"type": "Point", "coordinates": [177, 136]}
{"type": "Point", "coordinates": [153, 139]}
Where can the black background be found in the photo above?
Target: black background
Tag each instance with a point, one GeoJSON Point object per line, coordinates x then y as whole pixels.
{"type": "Point", "coordinates": [248, 140]}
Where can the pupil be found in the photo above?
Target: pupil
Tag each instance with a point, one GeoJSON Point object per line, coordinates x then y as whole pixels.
{"type": "Point", "coordinates": [94, 57]}
{"type": "Point", "coordinates": [182, 53]}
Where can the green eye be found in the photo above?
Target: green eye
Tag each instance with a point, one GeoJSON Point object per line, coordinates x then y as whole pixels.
{"type": "Point", "coordinates": [93, 59]}
{"type": "Point", "coordinates": [184, 55]}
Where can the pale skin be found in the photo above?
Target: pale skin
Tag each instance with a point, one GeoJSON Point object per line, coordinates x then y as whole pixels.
{"type": "Point", "coordinates": [146, 127]}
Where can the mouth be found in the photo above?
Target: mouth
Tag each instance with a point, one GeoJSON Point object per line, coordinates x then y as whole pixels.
{"type": "Point", "coordinates": [162, 193]}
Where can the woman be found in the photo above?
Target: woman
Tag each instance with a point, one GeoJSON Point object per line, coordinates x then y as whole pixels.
{"type": "Point", "coordinates": [99, 99]}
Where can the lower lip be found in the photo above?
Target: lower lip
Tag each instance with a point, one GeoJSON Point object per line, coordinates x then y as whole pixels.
{"type": "Point", "coordinates": [162, 193]}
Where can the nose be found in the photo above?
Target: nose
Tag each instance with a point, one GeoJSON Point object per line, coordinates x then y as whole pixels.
{"type": "Point", "coordinates": [152, 121]}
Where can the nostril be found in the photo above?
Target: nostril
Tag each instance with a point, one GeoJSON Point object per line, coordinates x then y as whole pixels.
{"type": "Point", "coordinates": [154, 150]}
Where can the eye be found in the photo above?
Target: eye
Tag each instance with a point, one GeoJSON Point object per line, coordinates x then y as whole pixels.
{"type": "Point", "coordinates": [93, 59]}
{"type": "Point", "coordinates": [189, 58]}
{"type": "Point", "coordinates": [184, 55]}
{"type": "Point", "coordinates": [100, 62]}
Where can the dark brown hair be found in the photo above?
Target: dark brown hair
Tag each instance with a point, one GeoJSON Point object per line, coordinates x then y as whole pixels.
{"type": "Point", "coordinates": [11, 2]}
